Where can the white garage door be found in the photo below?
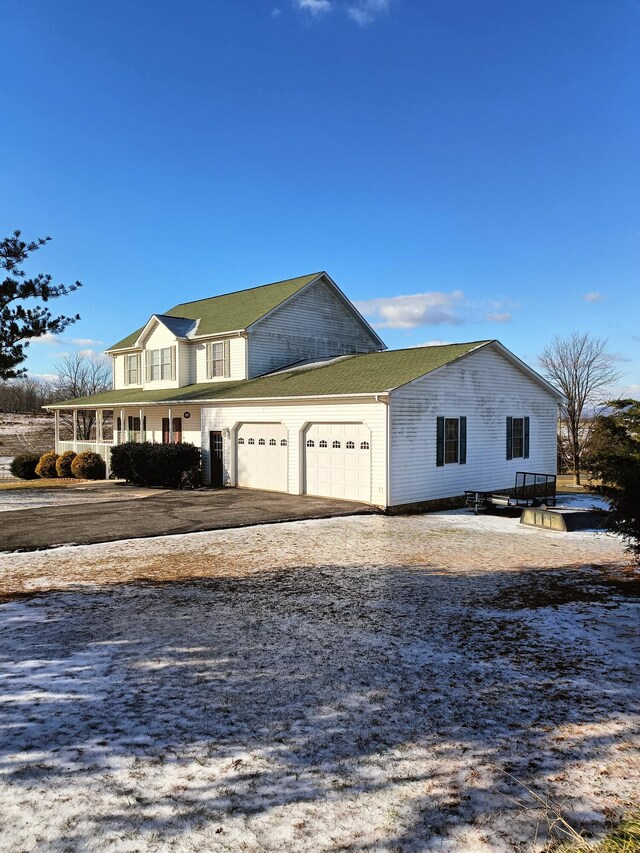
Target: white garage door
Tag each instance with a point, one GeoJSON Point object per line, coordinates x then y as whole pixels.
{"type": "Point", "coordinates": [262, 456]}
{"type": "Point", "coordinates": [338, 461]}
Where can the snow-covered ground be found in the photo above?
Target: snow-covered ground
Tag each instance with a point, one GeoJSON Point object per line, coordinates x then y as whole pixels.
{"type": "Point", "coordinates": [363, 683]}
{"type": "Point", "coordinates": [15, 499]}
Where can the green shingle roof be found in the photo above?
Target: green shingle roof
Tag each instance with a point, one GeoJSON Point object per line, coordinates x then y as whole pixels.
{"type": "Point", "coordinates": [230, 311]}
{"type": "Point", "coordinates": [355, 374]}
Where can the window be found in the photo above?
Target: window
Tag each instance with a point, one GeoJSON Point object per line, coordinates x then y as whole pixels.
{"type": "Point", "coordinates": [451, 441]}
{"type": "Point", "coordinates": [251, 441]}
{"type": "Point", "coordinates": [218, 359]}
{"type": "Point", "coordinates": [261, 441]}
{"type": "Point", "coordinates": [132, 369]}
{"type": "Point", "coordinates": [133, 427]}
{"type": "Point", "coordinates": [350, 445]}
{"type": "Point", "coordinates": [322, 444]}
{"type": "Point", "coordinates": [336, 445]}
{"type": "Point", "coordinates": [272, 442]}
{"type": "Point", "coordinates": [311, 443]}
{"type": "Point", "coordinates": [161, 364]}
{"type": "Point", "coordinates": [283, 442]}
{"type": "Point", "coordinates": [364, 445]}
{"type": "Point", "coordinates": [517, 438]}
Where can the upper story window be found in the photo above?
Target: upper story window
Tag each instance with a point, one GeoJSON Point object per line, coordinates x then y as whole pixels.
{"type": "Point", "coordinates": [161, 364]}
{"type": "Point", "coordinates": [218, 359]}
{"type": "Point", "coordinates": [132, 369]}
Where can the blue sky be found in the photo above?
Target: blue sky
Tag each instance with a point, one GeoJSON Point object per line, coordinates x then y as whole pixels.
{"type": "Point", "coordinates": [464, 169]}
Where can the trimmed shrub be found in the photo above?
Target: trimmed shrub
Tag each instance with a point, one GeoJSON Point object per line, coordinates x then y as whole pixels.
{"type": "Point", "coordinates": [63, 465]}
{"type": "Point", "coordinates": [89, 466]}
{"type": "Point", "coordinates": [148, 464]}
{"type": "Point", "coordinates": [24, 466]}
{"type": "Point", "coordinates": [46, 467]}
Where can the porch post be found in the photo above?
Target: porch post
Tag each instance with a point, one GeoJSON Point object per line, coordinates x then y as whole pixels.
{"type": "Point", "coordinates": [75, 429]}
{"type": "Point", "coordinates": [122, 429]}
{"type": "Point", "coordinates": [56, 421]}
{"type": "Point", "coordinates": [142, 437]}
{"type": "Point", "coordinates": [99, 415]}
{"type": "Point", "coordinates": [170, 426]}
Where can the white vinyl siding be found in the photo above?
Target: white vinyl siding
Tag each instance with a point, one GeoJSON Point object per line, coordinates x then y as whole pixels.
{"type": "Point", "coordinates": [235, 360]}
{"type": "Point", "coordinates": [485, 388]}
{"type": "Point", "coordinates": [218, 359]}
{"type": "Point", "coordinates": [315, 323]}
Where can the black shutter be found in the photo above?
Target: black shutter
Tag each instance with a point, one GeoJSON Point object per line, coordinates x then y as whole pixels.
{"type": "Point", "coordinates": [509, 438]}
{"type": "Point", "coordinates": [119, 425]}
{"type": "Point", "coordinates": [526, 438]}
{"type": "Point", "coordinates": [440, 442]}
{"type": "Point", "coordinates": [463, 441]}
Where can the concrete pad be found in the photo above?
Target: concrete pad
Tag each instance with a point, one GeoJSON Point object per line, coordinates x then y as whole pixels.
{"type": "Point", "coordinates": [160, 513]}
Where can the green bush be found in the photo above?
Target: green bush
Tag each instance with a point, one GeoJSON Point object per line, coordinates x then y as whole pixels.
{"type": "Point", "coordinates": [24, 466]}
{"type": "Point", "coordinates": [148, 464]}
{"type": "Point", "coordinates": [89, 466]}
{"type": "Point", "coordinates": [63, 465]}
{"type": "Point", "coordinates": [46, 467]}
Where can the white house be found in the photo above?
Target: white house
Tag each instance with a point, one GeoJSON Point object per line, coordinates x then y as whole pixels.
{"type": "Point", "coordinates": [287, 387]}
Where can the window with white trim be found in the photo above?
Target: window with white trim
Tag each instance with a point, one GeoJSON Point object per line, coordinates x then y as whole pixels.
{"type": "Point", "coordinates": [161, 364]}
{"type": "Point", "coordinates": [218, 363]}
{"type": "Point", "coordinates": [132, 369]}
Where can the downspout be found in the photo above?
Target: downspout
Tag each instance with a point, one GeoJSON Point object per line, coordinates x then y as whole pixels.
{"type": "Point", "coordinates": [387, 472]}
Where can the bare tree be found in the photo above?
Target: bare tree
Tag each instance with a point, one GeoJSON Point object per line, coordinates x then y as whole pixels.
{"type": "Point", "coordinates": [580, 366]}
{"type": "Point", "coordinates": [82, 374]}
{"type": "Point", "coordinates": [25, 395]}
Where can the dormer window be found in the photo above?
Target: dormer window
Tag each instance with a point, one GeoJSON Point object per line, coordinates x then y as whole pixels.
{"type": "Point", "coordinates": [218, 359]}
{"type": "Point", "coordinates": [132, 369]}
{"type": "Point", "coordinates": [161, 364]}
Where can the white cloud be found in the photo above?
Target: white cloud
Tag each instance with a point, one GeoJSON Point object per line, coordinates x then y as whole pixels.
{"type": "Point", "coordinates": [46, 377]}
{"type": "Point", "coordinates": [314, 7]}
{"type": "Point", "coordinates": [434, 343]}
{"type": "Point", "coordinates": [420, 309]}
{"type": "Point", "coordinates": [275, 13]}
{"type": "Point", "coordinates": [85, 342]}
{"type": "Point", "coordinates": [593, 297]}
{"type": "Point", "coordinates": [364, 12]}
{"type": "Point", "coordinates": [47, 338]}
{"type": "Point", "coordinates": [505, 317]}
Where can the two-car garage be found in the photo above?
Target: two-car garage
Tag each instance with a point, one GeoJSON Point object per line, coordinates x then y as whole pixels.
{"type": "Point", "coordinates": [336, 458]}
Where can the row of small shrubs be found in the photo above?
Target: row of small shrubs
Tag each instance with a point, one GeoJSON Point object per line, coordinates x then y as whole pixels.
{"type": "Point", "coordinates": [83, 466]}
{"type": "Point", "coordinates": [148, 464]}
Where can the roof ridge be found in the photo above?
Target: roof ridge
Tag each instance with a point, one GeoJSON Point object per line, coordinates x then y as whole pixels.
{"type": "Point", "coordinates": [255, 287]}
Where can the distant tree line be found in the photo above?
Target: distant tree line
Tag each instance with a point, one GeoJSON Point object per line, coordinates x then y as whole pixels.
{"type": "Point", "coordinates": [77, 374]}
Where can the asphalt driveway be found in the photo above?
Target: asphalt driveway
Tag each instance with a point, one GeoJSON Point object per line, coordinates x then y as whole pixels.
{"type": "Point", "coordinates": [95, 519]}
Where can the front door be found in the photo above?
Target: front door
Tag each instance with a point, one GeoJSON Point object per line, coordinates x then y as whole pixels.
{"type": "Point", "coordinates": [215, 455]}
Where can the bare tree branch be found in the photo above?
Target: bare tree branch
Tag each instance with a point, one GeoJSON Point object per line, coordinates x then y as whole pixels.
{"type": "Point", "coordinates": [580, 366]}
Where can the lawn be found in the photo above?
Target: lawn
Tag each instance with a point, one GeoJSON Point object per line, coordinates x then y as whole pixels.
{"type": "Point", "coordinates": [348, 684]}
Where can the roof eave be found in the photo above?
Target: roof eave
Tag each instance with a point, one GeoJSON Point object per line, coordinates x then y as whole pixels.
{"type": "Point", "coordinates": [217, 400]}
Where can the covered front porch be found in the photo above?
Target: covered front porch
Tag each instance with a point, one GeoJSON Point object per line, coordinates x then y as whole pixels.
{"type": "Point", "coordinates": [98, 429]}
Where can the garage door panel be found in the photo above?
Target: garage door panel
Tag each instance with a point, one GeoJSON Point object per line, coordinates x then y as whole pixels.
{"type": "Point", "coordinates": [262, 454]}
{"type": "Point", "coordinates": [338, 461]}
